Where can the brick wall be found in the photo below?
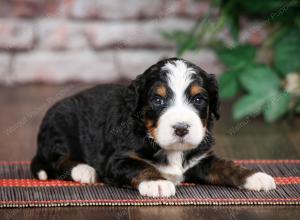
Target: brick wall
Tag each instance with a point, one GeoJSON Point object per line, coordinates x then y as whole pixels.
{"type": "Point", "coordinates": [92, 40]}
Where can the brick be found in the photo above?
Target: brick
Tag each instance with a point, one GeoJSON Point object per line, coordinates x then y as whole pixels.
{"type": "Point", "coordinates": [61, 67]}
{"type": "Point", "coordinates": [54, 67]}
{"type": "Point", "coordinates": [5, 8]}
{"type": "Point", "coordinates": [188, 8]}
{"type": "Point", "coordinates": [135, 33]}
{"type": "Point", "coordinates": [16, 35]}
{"type": "Point", "coordinates": [4, 67]}
{"type": "Point", "coordinates": [115, 9]}
{"type": "Point", "coordinates": [35, 8]}
{"type": "Point", "coordinates": [196, 8]}
{"type": "Point", "coordinates": [134, 62]}
{"type": "Point", "coordinates": [81, 9]}
{"type": "Point", "coordinates": [55, 8]}
{"type": "Point", "coordinates": [48, 8]}
{"type": "Point", "coordinates": [129, 9]}
{"type": "Point", "coordinates": [61, 34]}
{"type": "Point", "coordinates": [206, 59]}
{"type": "Point", "coordinates": [112, 9]}
{"type": "Point", "coordinates": [27, 8]}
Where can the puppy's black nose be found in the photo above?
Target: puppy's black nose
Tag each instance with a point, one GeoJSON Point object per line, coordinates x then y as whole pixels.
{"type": "Point", "coordinates": [181, 129]}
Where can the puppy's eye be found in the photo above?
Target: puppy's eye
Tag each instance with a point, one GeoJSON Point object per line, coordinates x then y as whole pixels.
{"type": "Point", "coordinates": [158, 101]}
{"type": "Point", "coordinates": [198, 100]}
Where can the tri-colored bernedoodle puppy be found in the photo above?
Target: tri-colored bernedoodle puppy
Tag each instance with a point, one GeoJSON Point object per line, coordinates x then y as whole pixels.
{"type": "Point", "coordinates": [150, 135]}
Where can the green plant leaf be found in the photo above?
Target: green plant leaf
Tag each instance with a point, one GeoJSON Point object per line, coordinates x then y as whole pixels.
{"type": "Point", "coordinates": [190, 44]}
{"type": "Point", "coordinates": [249, 105]}
{"type": "Point", "coordinates": [274, 11]}
{"type": "Point", "coordinates": [276, 106]}
{"type": "Point", "coordinates": [287, 52]}
{"type": "Point", "coordinates": [262, 7]}
{"type": "Point", "coordinates": [177, 36]}
{"type": "Point", "coordinates": [237, 57]}
{"type": "Point", "coordinates": [183, 40]}
{"type": "Point", "coordinates": [259, 79]}
{"type": "Point", "coordinates": [298, 109]}
{"type": "Point", "coordinates": [228, 85]}
{"type": "Point", "coordinates": [234, 28]}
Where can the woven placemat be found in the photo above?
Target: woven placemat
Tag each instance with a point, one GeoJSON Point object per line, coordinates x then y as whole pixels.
{"type": "Point", "coordinates": [19, 189]}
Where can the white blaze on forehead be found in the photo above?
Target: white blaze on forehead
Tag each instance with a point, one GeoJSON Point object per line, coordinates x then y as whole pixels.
{"type": "Point", "coordinates": [179, 78]}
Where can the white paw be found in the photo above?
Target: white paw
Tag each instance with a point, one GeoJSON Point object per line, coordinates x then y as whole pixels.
{"type": "Point", "coordinates": [83, 173]}
{"type": "Point", "coordinates": [259, 181]}
{"type": "Point", "coordinates": [42, 175]}
{"type": "Point", "coordinates": [157, 188]}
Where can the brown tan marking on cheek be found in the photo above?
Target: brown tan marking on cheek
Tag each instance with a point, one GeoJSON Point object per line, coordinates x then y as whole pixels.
{"type": "Point", "coordinates": [196, 89]}
{"type": "Point", "coordinates": [161, 90]}
{"type": "Point", "coordinates": [150, 127]}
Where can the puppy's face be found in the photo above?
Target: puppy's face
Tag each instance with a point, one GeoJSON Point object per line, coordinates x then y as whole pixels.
{"type": "Point", "coordinates": [176, 104]}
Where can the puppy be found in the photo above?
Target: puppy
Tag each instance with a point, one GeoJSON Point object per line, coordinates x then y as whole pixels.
{"type": "Point", "coordinates": [151, 135]}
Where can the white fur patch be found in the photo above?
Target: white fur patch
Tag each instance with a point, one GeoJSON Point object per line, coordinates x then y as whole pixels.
{"type": "Point", "coordinates": [179, 111]}
{"type": "Point", "coordinates": [175, 170]}
{"type": "Point", "coordinates": [83, 173]}
{"type": "Point", "coordinates": [42, 175]}
{"type": "Point", "coordinates": [157, 188]}
{"type": "Point", "coordinates": [179, 78]}
{"type": "Point", "coordinates": [259, 181]}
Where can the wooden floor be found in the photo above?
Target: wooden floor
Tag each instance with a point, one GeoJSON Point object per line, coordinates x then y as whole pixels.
{"type": "Point", "coordinates": [22, 108]}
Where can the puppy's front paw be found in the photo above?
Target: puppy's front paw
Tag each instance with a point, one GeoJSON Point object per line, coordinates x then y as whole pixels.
{"type": "Point", "coordinates": [83, 173]}
{"type": "Point", "coordinates": [157, 188]}
{"type": "Point", "coordinates": [259, 181]}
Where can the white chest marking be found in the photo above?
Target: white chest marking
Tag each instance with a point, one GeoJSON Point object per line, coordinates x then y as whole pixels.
{"type": "Point", "coordinates": [175, 170]}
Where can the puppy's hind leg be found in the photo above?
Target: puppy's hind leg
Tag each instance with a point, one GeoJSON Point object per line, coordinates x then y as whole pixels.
{"type": "Point", "coordinates": [64, 169]}
{"type": "Point", "coordinates": [39, 169]}
{"type": "Point", "coordinates": [76, 171]}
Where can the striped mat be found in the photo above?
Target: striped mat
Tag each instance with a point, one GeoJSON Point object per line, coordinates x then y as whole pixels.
{"type": "Point", "coordinates": [19, 189]}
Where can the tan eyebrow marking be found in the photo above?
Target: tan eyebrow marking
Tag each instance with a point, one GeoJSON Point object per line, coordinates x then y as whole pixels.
{"type": "Point", "coordinates": [196, 89]}
{"type": "Point", "coordinates": [161, 90]}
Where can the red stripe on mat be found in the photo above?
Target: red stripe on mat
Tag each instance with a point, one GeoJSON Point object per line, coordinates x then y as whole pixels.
{"type": "Point", "coordinates": [237, 161]}
{"type": "Point", "coordinates": [60, 183]}
{"type": "Point", "coordinates": [153, 200]}
{"type": "Point", "coordinates": [267, 161]}
{"type": "Point", "coordinates": [6, 163]}
{"type": "Point", "coordinates": [38, 183]}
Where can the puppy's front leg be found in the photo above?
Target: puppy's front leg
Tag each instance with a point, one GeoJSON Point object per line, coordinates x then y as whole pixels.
{"type": "Point", "coordinates": [136, 173]}
{"type": "Point", "coordinates": [213, 170]}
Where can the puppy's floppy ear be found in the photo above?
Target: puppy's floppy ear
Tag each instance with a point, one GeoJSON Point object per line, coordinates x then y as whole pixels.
{"type": "Point", "coordinates": [135, 91]}
{"type": "Point", "coordinates": [213, 92]}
